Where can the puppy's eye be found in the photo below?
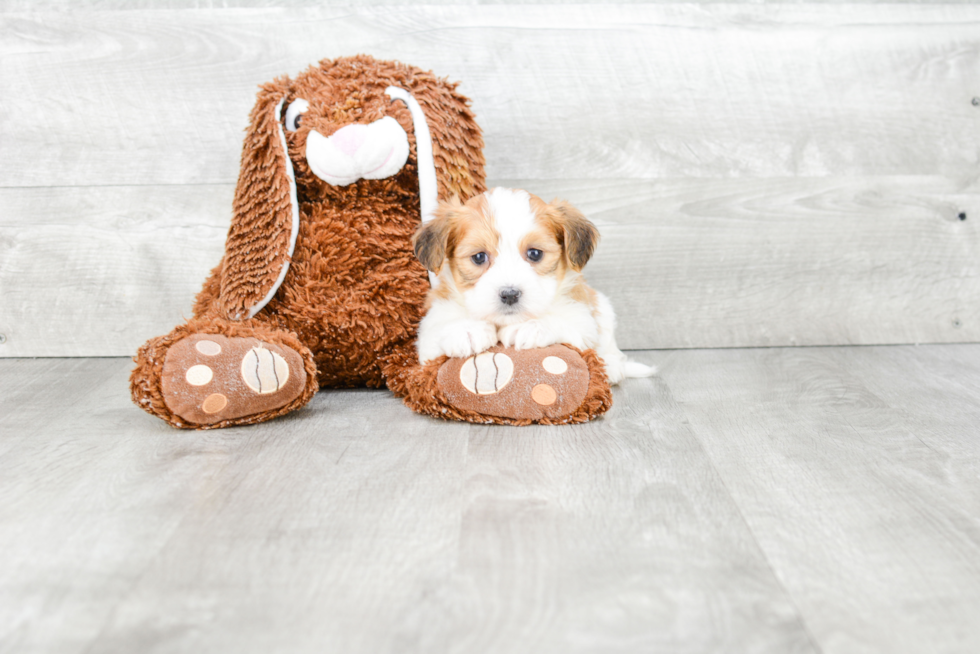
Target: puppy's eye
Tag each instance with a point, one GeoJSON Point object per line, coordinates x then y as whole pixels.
{"type": "Point", "coordinates": [294, 114]}
{"type": "Point", "coordinates": [534, 255]}
{"type": "Point", "coordinates": [479, 258]}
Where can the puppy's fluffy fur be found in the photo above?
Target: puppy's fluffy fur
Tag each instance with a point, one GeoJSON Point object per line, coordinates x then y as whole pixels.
{"type": "Point", "coordinates": [509, 269]}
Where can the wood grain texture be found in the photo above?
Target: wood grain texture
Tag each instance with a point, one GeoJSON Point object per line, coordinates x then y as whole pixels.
{"type": "Point", "coordinates": [734, 263]}
{"type": "Point", "coordinates": [762, 500]}
{"type": "Point", "coordinates": [856, 469]}
{"type": "Point", "coordinates": [698, 132]}
{"type": "Point", "coordinates": [26, 388]}
{"type": "Point", "coordinates": [99, 270]}
{"type": "Point", "coordinates": [633, 91]}
{"type": "Point", "coordinates": [331, 530]}
{"type": "Point", "coordinates": [610, 537]}
{"type": "Point", "coordinates": [134, 516]}
{"type": "Point", "coordinates": [141, 5]}
{"type": "Point", "coordinates": [687, 263]}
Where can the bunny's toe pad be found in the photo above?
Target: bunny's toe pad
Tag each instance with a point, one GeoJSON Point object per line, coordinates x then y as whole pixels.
{"type": "Point", "coordinates": [549, 382]}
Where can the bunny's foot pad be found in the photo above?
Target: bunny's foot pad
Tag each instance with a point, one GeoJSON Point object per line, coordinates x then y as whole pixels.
{"type": "Point", "coordinates": [549, 382]}
{"type": "Point", "coordinates": [208, 378]}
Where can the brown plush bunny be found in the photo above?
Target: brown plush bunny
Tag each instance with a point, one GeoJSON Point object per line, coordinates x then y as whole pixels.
{"type": "Point", "coordinates": [319, 286]}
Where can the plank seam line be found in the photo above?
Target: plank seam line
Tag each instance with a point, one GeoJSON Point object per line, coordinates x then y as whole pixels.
{"type": "Point", "coordinates": [800, 347]}
{"type": "Point", "coordinates": [748, 527]}
{"type": "Point", "coordinates": [164, 185]}
{"type": "Point", "coordinates": [674, 349]}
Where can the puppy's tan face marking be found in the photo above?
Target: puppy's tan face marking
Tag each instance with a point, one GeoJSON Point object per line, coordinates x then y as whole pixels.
{"type": "Point", "coordinates": [541, 248]}
{"type": "Point", "coordinates": [507, 251]}
{"type": "Point", "coordinates": [576, 235]}
{"type": "Point", "coordinates": [476, 239]}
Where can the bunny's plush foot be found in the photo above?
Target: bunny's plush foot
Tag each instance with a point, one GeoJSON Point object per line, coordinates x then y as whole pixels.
{"type": "Point", "coordinates": [208, 378]}
{"type": "Point", "coordinates": [557, 384]}
{"type": "Point", "coordinates": [549, 382]}
{"type": "Point", "coordinates": [216, 374]}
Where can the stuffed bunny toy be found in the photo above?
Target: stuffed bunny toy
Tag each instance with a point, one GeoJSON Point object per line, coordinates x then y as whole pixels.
{"type": "Point", "coordinates": [319, 285]}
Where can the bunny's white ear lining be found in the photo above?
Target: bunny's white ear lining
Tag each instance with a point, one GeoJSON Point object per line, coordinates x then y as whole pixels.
{"type": "Point", "coordinates": [428, 191]}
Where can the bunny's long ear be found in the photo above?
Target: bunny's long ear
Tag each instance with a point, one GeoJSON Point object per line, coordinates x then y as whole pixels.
{"type": "Point", "coordinates": [265, 218]}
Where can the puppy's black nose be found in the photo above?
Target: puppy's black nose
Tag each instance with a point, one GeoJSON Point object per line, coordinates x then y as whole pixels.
{"type": "Point", "coordinates": [509, 295]}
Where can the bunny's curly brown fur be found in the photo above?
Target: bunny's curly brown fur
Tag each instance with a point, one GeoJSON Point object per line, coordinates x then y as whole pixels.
{"type": "Point", "coordinates": [353, 292]}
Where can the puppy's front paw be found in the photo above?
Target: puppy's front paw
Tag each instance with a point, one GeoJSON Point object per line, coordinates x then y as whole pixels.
{"type": "Point", "coordinates": [467, 337]}
{"type": "Point", "coordinates": [527, 335]}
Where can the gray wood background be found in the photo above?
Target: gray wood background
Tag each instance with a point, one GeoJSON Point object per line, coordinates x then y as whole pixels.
{"type": "Point", "coordinates": [763, 174]}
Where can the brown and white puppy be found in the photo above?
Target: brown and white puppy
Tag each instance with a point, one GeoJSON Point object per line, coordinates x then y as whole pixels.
{"type": "Point", "coordinates": [508, 268]}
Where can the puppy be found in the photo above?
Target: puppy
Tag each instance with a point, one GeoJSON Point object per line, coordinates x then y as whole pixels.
{"type": "Point", "coordinates": [508, 268]}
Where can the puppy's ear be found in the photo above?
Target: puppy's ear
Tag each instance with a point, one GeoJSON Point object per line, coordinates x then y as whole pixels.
{"type": "Point", "coordinates": [580, 236]}
{"type": "Point", "coordinates": [265, 212]}
{"type": "Point", "coordinates": [431, 241]}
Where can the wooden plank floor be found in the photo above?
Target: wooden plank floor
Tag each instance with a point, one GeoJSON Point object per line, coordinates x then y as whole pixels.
{"type": "Point", "coordinates": [761, 500]}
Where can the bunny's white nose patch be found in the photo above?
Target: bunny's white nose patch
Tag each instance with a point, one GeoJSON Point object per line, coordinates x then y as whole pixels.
{"type": "Point", "coordinates": [374, 151]}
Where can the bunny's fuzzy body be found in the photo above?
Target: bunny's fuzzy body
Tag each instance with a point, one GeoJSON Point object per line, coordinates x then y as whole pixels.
{"type": "Point", "coordinates": [319, 285]}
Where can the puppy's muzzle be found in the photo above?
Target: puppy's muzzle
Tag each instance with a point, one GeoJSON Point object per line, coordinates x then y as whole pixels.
{"type": "Point", "coordinates": [509, 296]}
